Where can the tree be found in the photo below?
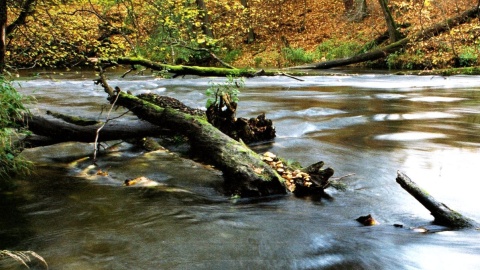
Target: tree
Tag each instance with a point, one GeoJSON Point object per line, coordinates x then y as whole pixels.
{"type": "Point", "coordinates": [3, 26]}
{"type": "Point", "coordinates": [26, 8]}
{"type": "Point", "coordinates": [250, 33]}
{"type": "Point", "coordinates": [206, 28]}
{"type": "Point", "coordinates": [393, 32]}
{"type": "Point", "coordinates": [356, 10]}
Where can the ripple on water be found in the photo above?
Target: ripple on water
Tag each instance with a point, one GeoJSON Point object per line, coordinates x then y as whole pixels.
{"type": "Point", "coordinates": [312, 112]}
{"type": "Point", "coordinates": [409, 136]}
{"type": "Point", "coordinates": [436, 99]}
{"type": "Point", "coordinates": [413, 116]}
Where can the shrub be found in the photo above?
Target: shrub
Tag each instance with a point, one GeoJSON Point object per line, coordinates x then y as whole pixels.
{"type": "Point", "coordinates": [297, 56]}
{"type": "Point", "coordinates": [468, 57]}
{"type": "Point", "coordinates": [12, 109]}
{"type": "Point", "coordinates": [331, 50]}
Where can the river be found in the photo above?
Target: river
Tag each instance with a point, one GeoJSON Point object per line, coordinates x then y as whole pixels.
{"type": "Point", "coordinates": [366, 126]}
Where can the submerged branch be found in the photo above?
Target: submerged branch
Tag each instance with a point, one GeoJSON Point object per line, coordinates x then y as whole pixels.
{"type": "Point", "coordinates": [443, 214]}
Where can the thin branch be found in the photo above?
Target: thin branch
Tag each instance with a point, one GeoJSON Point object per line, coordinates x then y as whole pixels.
{"type": "Point", "coordinates": [290, 76]}
{"type": "Point", "coordinates": [101, 127]}
{"type": "Point", "coordinates": [132, 68]}
{"type": "Point", "coordinates": [103, 82]}
{"type": "Point", "coordinates": [341, 177]}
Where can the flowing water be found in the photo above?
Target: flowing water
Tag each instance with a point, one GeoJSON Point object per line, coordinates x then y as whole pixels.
{"type": "Point", "coordinates": [366, 126]}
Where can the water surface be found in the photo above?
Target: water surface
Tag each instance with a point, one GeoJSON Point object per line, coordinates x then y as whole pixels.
{"type": "Point", "coordinates": [369, 125]}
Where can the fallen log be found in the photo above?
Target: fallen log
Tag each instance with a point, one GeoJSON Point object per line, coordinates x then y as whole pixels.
{"type": "Point", "coordinates": [443, 214]}
{"type": "Point", "coordinates": [382, 52]}
{"type": "Point", "coordinates": [248, 130]}
{"type": "Point", "coordinates": [244, 171]}
{"type": "Point", "coordinates": [60, 131]}
{"type": "Point", "coordinates": [178, 70]}
{"type": "Point", "coordinates": [181, 70]}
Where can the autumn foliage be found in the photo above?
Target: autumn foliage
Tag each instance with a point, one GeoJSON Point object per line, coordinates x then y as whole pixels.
{"type": "Point", "coordinates": [285, 32]}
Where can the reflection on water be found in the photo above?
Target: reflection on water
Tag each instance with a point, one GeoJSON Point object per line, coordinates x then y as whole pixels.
{"type": "Point", "coordinates": [369, 125]}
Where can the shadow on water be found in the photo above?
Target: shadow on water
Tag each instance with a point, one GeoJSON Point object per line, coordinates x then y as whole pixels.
{"type": "Point", "coordinates": [369, 125]}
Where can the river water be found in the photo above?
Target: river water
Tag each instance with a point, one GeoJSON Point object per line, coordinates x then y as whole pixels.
{"type": "Point", "coordinates": [366, 126]}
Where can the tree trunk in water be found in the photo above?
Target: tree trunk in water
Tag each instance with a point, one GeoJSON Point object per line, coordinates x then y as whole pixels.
{"type": "Point", "coordinates": [61, 131]}
{"type": "Point", "coordinates": [3, 26]}
{"type": "Point", "coordinates": [244, 171]}
{"type": "Point", "coordinates": [178, 70]}
{"type": "Point", "coordinates": [391, 25]}
{"type": "Point", "coordinates": [206, 28]}
{"type": "Point", "coordinates": [442, 214]}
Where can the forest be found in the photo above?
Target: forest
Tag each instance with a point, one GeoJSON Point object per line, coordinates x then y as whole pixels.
{"type": "Point", "coordinates": [247, 33]}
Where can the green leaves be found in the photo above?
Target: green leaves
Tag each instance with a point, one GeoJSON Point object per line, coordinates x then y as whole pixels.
{"type": "Point", "coordinates": [12, 109]}
{"type": "Point", "coordinates": [230, 88]}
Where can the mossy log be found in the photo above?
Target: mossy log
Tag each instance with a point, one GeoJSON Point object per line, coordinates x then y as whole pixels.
{"type": "Point", "coordinates": [244, 171]}
{"type": "Point", "coordinates": [443, 214]}
{"type": "Point", "coordinates": [382, 52]}
{"type": "Point", "coordinates": [180, 70]}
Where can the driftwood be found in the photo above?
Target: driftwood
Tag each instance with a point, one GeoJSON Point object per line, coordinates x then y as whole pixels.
{"type": "Point", "coordinates": [443, 214]}
{"type": "Point", "coordinates": [382, 52]}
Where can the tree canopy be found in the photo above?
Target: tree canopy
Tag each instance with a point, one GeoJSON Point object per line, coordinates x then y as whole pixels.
{"type": "Point", "coordinates": [270, 33]}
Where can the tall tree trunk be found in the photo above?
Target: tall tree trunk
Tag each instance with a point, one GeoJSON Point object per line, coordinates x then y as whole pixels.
{"type": "Point", "coordinates": [355, 10]}
{"type": "Point", "coordinates": [393, 32]}
{"type": "Point", "coordinates": [28, 8]}
{"type": "Point", "coordinates": [3, 26]}
{"type": "Point", "coordinates": [207, 30]}
{"type": "Point", "coordinates": [250, 34]}
{"type": "Point", "coordinates": [349, 7]}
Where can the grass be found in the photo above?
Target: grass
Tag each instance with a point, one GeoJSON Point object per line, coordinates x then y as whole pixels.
{"type": "Point", "coordinates": [23, 257]}
{"type": "Point", "coordinates": [297, 56]}
{"type": "Point", "coordinates": [330, 49]}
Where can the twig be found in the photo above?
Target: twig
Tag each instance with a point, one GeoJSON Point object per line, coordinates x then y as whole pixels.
{"type": "Point", "coordinates": [100, 128]}
{"type": "Point", "coordinates": [341, 177]}
{"type": "Point", "coordinates": [290, 76]}
{"type": "Point", "coordinates": [128, 71]}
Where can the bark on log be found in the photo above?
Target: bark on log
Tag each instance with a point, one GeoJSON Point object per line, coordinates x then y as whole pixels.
{"type": "Point", "coordinates": [244, 171]}
{"type": "Point", "coordinates": [394, 47]}
{"type": "Point", "coordinates": [60, 131]}
{"type": "Point", "coordinates": [443, 214]}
